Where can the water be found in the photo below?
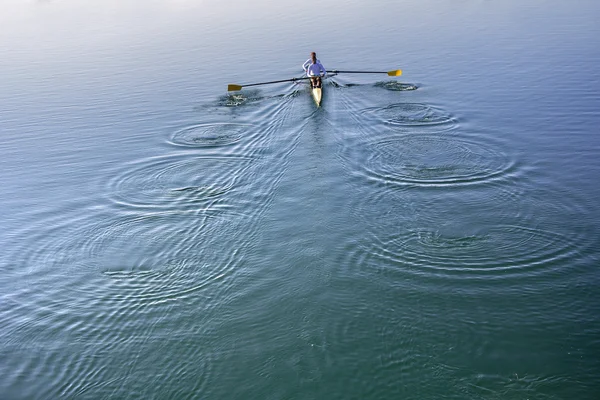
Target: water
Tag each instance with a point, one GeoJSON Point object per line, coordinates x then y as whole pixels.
{"type": "Point", "coordinates": [430, 236]}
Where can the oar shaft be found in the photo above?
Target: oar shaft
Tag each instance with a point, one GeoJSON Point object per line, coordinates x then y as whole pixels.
{"type": "Point", "coordinates": [335, 71]}
{"type": "Point", "coordinates": [239, 87]}
{"type": "Point", "coordinates": [280, 81]}
{"type": "Point", "coordinates": [396, 72]}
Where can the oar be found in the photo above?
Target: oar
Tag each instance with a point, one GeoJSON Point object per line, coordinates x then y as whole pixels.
{"type": "Point", "coordinates": [239, 87]}
{"type": "Point", "coordinates": [396, 72]}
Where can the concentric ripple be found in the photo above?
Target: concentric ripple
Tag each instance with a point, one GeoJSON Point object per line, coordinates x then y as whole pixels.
{"type": "Point", "coordinates": [427, 160]}
{"type": "Point", "coordinates": [177, 280]}
{"type": "Point", "coordinates": [104, 242]}
{"type": "Point", "coordinates": [209, 135]}
{"type": "Point", "coordinates": [411, 114]}
{"type": "Point", "coordinates": [90, 276]}
{"type": "Point", "coordinates": [178, 182]}
{"type": "Point", "coordinates": [125, 314]}
{"type": "Point", "coordinates": [396, 86]}
{"type": "Point", "coordinates": [501, 252]}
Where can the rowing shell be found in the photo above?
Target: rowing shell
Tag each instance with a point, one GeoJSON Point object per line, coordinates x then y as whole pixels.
{"type": "Point", "coordinates": [317, 94]}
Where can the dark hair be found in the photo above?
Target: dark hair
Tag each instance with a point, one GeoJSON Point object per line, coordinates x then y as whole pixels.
{"type": "Point", "coordinates": [313, 55]}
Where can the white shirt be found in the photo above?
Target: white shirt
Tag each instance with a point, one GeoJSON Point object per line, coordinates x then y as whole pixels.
{"type": "Point", "coordinates": [314, 69]}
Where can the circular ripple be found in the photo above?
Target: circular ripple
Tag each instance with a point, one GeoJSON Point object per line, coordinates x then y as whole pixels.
{"type": "Point", "coordinates": [428, 160]}
{"type": "Point", "coordinates": [395, 86]}
{"type": "Point", "coordinates": [105, 242]}
{"type": "Point", "coordinates": [209, 135]}
{"type": "Point", "coordinates": [125, 266]}
{"type": "Point", "coordinates": [174, 281]}
{"type": "Point", "coordinates": [501, 252]}
{"type": "Point", "coordinates": [116, 313]}
{"type": "Point", "coordinates": [412, 114]}
{"type": "Point", "coordinates": [178, 182]}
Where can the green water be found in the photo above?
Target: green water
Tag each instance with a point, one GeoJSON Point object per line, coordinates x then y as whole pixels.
{"type": "Point", "coordinates": [423, 237]}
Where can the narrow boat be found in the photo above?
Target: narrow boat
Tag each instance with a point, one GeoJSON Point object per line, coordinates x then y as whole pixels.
{"type": "Point", "coordinates": [317, 93]}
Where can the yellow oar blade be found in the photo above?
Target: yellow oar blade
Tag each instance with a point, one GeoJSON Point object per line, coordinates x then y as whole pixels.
{"type": "Point", "coordinates": [397, 72]}
{"type": "Point", "coordinates": [231, 88]}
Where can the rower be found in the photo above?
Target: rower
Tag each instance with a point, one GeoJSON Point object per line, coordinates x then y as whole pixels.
{"type": "Point", "coordinates": [314, 70]}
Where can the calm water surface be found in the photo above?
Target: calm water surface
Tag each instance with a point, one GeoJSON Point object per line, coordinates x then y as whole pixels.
{"type": "Point", "coordinates": [423, 237]}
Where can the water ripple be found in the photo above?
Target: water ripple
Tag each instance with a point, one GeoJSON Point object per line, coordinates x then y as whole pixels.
{"type": "Point", "coordinates": [93, 283]}
{"type": "Point", "coordinates": [411, 114]}
{"type": "Point", "coordinates": [209, 135]}
{"type": "Point", "coordinates": [179, 182]}
{"type": "Point", "coordinates": [427, 160]}
{"type": "Point", "coordinates": [502, 252]}
{"type": "Point", "coordinates": [239, 99]}
{"type": "Point", "coordinates": [396, 86]}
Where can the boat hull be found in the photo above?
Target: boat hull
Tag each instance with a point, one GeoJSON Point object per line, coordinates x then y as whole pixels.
{"type": "Point", "coordinates": [317, 94]}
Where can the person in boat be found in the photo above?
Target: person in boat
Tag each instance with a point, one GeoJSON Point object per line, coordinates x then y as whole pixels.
{"type": "Point", "coordinates": [314, 70]}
